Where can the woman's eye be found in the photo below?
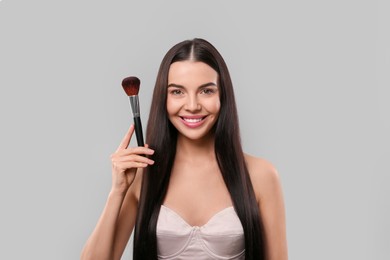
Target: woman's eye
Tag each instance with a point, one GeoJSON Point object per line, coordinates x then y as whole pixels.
{"type": "Point", "coordinates": [208, 91]}
{"type": "Point", "coordinates": [176, 92]}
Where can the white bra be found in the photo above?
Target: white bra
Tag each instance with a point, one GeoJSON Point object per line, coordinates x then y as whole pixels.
{"type": "Point", "coordinates": [222, 237]}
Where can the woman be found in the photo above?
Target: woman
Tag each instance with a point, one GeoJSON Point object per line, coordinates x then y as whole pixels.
{"type": "Point", "coordinates": [191, 193]}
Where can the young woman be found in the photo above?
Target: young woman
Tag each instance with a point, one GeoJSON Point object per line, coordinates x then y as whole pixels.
{"type": "Point", "coordinates": [191, 193]}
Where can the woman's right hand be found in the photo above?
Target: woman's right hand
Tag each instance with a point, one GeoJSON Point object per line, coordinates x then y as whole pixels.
{"type": "Point", "coordinates": [125, 162]}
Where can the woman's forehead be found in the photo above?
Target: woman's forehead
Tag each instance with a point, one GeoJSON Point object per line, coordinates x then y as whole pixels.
{"type": "Point", "coordinates": [191, 72]}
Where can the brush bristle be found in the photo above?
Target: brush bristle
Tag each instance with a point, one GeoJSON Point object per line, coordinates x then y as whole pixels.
{"type": "Point", "coordinates": [131, 85]}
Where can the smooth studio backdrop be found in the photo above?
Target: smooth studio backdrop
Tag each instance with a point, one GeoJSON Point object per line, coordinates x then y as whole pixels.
{"type": "Point", "coordinates": [312, 86]}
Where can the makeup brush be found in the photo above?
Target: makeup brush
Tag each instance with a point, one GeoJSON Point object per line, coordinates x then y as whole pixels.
{"type": "Point", "coordinates": [131, 87]}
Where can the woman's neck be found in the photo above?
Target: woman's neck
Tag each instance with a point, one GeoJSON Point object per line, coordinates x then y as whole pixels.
{"type": "Point", "coordinates": [195, 150]}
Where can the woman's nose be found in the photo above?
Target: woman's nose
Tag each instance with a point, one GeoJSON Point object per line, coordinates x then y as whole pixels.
{"type": "Point", "coordinates": [192, 103]}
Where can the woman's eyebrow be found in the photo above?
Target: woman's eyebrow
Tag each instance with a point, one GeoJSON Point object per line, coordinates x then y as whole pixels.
{"type": "Point", "coordinates": [201, 86]}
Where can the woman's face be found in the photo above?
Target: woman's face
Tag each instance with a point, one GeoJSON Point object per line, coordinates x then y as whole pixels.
{"type": "Point", "coordinates": [193, 102]}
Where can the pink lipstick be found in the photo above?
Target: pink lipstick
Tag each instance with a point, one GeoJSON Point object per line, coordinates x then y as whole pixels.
{"type": "Point", "coordinates": [193, 121]}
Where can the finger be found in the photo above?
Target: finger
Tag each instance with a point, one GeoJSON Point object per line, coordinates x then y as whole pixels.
{"type": "Point", "coordinates": [134, 158]}
{"type": "Point", "coordinates": [130, 165]}
{"type": "Point", "coordinates": [126, 140]}
{"type": "Point", "coordinates": [136, 150]}
{"type": "Point", "coordinates": [123, 166]}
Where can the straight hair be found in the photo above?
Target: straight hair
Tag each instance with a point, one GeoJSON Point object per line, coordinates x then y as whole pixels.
{"type": "Point", "coordinates": [161, 136]}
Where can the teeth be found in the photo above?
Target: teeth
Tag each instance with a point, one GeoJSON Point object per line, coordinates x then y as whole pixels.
{"type": "Point", "coordinates": [192, 120]}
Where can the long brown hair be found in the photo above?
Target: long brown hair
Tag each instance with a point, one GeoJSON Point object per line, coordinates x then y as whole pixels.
{"type": "Point", "coordinates": [162, 137]}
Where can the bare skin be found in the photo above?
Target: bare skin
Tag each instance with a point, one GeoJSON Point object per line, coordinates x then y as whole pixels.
{"type": "Point", "coordinates": [195, 179]}
{"type": "Point", "coordinates": [114, 227]}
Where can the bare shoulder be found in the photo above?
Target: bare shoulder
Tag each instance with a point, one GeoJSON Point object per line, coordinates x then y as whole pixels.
{"type": "Point", "coordinates": [269, 195]}
{"type": "Point", "coordinates": [264, 176]}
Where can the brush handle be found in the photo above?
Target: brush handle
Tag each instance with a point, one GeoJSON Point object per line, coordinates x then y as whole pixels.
{"type": "Point", "coordinates": [138, 131]}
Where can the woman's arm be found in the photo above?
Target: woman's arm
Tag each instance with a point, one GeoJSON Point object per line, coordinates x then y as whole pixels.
{"type": "Point", "coordinates": [269, 194]}
{"type": "Point", "coordinates": [110, 236]}
{"type": "Point", "coordinates": [100, 243]}
{"type": "Point", "coordinates": [113, 230]}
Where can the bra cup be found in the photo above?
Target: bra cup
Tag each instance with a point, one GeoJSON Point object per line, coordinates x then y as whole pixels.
{"type": "Point", "coordinates": [222, 237]}
{"type": "Point", "coordinates": [173, 233]}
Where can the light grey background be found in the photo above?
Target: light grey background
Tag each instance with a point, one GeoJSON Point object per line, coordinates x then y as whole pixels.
{"type": "Point", "coordinates": [312, 86]}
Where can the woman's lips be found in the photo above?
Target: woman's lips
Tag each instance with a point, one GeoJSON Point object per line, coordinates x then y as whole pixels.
{"type": "Point", "coordinates": [193, 121]}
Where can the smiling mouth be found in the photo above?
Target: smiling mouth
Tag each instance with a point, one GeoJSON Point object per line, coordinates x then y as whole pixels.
{"type": "Point", "coordinates": [193, 120]}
